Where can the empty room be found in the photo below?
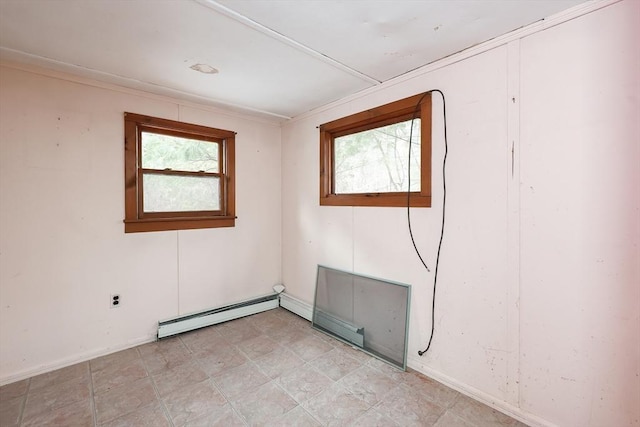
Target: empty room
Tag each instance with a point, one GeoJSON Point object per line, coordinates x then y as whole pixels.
{"type": "Point", "coordinates": [320, 213]}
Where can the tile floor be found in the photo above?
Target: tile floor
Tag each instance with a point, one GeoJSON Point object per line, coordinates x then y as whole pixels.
{"type": "Point", "coordinates": [270, 369]}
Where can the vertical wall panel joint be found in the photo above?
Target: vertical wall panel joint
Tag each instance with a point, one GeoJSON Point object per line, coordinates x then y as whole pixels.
{"type": "Point", "coordinates": [513, 222]}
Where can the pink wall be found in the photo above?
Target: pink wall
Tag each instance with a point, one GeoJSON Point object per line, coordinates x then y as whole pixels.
{"type": "Point", "coordinates": [63, 250]}
{"type": "Point", "coordinates": [580, 219]}
{"type": "Point", "coordinates": [538, 309]}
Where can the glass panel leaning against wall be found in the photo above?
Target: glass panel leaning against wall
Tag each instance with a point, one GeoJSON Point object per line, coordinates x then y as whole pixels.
{"type": "Point", "coordinates": [177, 175]}
{"type": "Point", "coordinates": [364, 158]}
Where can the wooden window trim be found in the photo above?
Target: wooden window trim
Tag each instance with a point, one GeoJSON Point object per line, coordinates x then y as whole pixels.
{"type": "Point", "coordinates": [394, 112]}
{"type": "Point", "coordinates": [135, 219]}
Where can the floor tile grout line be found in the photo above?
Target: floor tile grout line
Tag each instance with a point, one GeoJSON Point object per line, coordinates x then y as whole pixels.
{"type": "Point", "coordinates": [375, 408]}
{"type": "Point", "coordinates": [233, 408]}
{"type": "Point", "coordinates": [229, 401]}
{"type": "Point", "coordinates": [441, 415]}
{"type": "Point", "coordinates": [27, 396]}
{"type": "Point", "coordinates": [244, 353]}
{"type": "Point", "coordinates": [23, 406]}
{"type": "Point", "coordinates": [298, 404]}
{"type": "Point", "coordinates": [318, 371]}
{"type": "Point", "coordinates": [312, 416]}
{"type": "Point", "coordinates": [165, 410]}
{"type": "Point", "coordinates": [271, 380]}
{"type": "Point", "coordinates": [352, 389]}
{"type": "Point", "coordinates": [310, 397]}
{"type": "Point", "coordinates": [30, 393]}
{"type": "Point", "coordinates": [92, 396]}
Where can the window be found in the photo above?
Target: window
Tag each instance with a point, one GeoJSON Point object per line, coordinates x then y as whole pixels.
{"type": "Point", "coordinates": [364, 157]}
{"type": "Point", "coordinates": [177, 175]}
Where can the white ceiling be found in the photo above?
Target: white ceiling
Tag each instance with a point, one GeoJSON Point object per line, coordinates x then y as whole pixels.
{"type": "Point", "coordinates": [278, 58]}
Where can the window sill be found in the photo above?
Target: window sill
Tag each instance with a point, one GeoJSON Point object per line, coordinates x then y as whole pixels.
{"type": "Point", "coordinates": [376, 199]}
{"type": "Point", "coordinates": [165, 224]}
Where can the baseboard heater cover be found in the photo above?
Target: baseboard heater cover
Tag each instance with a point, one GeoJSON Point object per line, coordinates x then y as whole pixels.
{"type": "Point", "coordinates": [296, 306]}
{"type": "Point", "coordinates": [338, 327]}
{"type": "Point", "coordinates": [202, 319]}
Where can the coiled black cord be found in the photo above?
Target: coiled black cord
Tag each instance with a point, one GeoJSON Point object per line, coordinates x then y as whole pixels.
{"type": "Point", "coordinates": [444, 200]}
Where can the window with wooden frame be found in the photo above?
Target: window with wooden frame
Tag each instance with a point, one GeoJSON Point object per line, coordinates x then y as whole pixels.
{"type": "Point", "coordinates": [177, 175]}
{"type": "Point", "coordinates": [364, 158]}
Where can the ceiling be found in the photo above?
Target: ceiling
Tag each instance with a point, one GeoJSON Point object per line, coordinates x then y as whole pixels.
{"type": "Point", "coordinates": [276, 58]}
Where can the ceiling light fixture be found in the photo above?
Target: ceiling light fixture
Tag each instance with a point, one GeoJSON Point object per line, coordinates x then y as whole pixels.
{"type": "Point", "coordinates": [204, 68]}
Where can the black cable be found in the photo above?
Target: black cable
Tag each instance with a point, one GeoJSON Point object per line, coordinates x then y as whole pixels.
{"type": "Point", "coordinates": [413, 241]}
{"type": "Point", "coordinates": [444, 200]}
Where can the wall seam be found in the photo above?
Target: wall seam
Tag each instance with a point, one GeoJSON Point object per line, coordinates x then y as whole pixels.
{"type": "Point", "coordinates": [353, 239]}
{"type": "Point", "coordinates": [503, 40]}
{"type": "Point", "coordinates": [178, 272]}
{"type": "Point", "coordinates": [93, 82]}
{"type": "Point", "coordinates": [513, 224]}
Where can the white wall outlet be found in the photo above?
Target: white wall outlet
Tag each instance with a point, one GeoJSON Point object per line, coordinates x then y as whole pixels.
{"type": "Point", "coordinates": [115, 300]}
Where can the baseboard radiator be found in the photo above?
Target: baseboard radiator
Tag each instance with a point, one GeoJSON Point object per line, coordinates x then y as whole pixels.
{"type": "Point", "coordinates": [338, 327]}
{"type": "Point", "coordinates": [178, 325]}
{"type": "Point", "coordinates": [296, 306]}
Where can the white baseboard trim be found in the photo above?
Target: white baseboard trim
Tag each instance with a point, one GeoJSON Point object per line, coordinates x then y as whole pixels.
{"type": "Point", "coordinates": [294, 305]}
{"type": "Point", "coordinates": [305, 310]}
{"type": "Point", "coordinates": [68, 361]}
{"type": "Point", "coordinates": [513, 411]}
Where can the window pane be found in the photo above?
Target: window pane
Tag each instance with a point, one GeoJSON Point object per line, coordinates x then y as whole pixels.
{"type": "Point", "coordinates": [172, 152]}
{"type": "Point", "coordinates": [375, 161]}
{"type": "Point", "coordinates": [170, 193]}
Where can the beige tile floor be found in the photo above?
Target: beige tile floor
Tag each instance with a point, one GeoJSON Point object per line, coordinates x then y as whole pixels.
{"type": "Point", "coordinates": [270, 369]}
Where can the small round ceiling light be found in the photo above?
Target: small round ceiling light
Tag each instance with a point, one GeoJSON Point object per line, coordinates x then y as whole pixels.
{"type": "Point", "coordinates": [204, 68]}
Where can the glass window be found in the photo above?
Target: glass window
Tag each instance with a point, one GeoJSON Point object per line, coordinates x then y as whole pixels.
{"type": "Point", "coordinates": [173, 152]}
{"type": "Point", "coordinates": [364, 158]}
{"type": "Point", "coordinates": [177, 175]}
{"type": "Point", "coordinates": [375, 160]}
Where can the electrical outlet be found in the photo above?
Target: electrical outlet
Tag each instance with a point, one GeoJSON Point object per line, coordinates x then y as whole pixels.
{"type": "Point", "coordinates": [115, 300]}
